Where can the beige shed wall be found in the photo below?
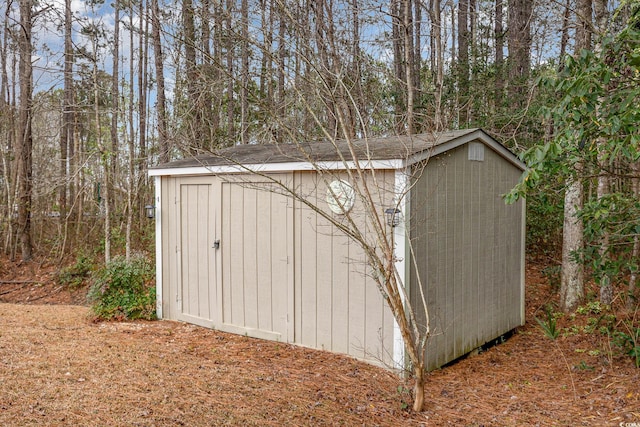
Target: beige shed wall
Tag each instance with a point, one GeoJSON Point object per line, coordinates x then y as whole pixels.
{"type": "Point", "coordinates": [282, 271]}
{"type": "Point", "coordinates": [338, 305]}
{"type": "Point", "coordinates": [468, 244]}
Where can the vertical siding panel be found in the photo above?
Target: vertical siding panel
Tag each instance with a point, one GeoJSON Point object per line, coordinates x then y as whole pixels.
{"type": "Point", "coordinates": [203, 230]}
{"type": "Point", "coordinates": [470, 324]}
{"type": "Point", "coordinates": [455, 247]}
{"type": "Point", "coordinates": [488, 230]}
{"type": "Point", "coordinates": [264, 256]}
{"type": "Point", "coordinates": [440, 246]}
{"type": "Point", "coordinates": [225, 246]}
{"type": "Point", "coordinates": [236, 260]}
{"type": "Point", "coordinates": [356, 307]}
{"type": "Point", "coordinates": [308, 272]}
{"type": "Point", "coordinates": [325, 237]}
{"type": "Point", "coordinates": [280, 237]}
{"type": "Point", "coordinates": [298, 250]}
{"type": "Point", "coordinates": [169, 248]}
{"type": "Point", "coordinates": [340, 284]}
{"type": "Point", "coordinates": [249, 241]}
{"type": "Point", "coordinates": [189, 250]}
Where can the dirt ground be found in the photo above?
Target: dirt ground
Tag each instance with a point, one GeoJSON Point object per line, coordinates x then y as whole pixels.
{"type": "Point", "coordinates": [58, 368]}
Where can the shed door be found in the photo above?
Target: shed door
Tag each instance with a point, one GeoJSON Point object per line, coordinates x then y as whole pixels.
{"type": "Point", "coordinates": [256, 259]}
{"type": "Point", "coordinates": [198, 259]}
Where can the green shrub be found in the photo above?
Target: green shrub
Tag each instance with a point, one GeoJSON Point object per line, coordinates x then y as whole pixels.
{"type": "Point", "coordinates": [123, 289]}
{"type": "Point", "coordinates": [629, 342]}
{"type": "Point", "coordinates": [73, 276]}
{"type": "Point", "coordinates": [548, 325]}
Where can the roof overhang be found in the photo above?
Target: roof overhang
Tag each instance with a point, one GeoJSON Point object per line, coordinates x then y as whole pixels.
{"type": "Point", "coordinates": [368, 164]}
{"type": "Point", "coordinates": [279, 167]}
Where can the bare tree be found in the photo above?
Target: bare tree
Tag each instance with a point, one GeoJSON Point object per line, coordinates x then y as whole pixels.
{"type": "Point", "coordinates": [25, 139]}
{"type": "Point", "coordinates": [499, 57]}
{"type": "Point", "coordinates": [519, 42]}
{"type": "Point", "coordinates": [163, 139]}
{"type": "Point", "coordinates": [8, 134]}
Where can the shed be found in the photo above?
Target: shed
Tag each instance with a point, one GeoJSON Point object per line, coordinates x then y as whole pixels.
{"type": "Point", "coordinates": [235, 253]}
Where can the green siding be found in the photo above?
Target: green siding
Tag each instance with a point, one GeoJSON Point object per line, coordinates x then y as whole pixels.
{"type": "Point", "coordinates": [468, 246]}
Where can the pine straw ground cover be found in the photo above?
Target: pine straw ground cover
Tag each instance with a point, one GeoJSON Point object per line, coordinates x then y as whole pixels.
{"type": "Point", "coordinates": [59, 368]}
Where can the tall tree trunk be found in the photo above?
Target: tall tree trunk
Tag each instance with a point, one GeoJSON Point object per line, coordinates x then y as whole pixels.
{"type": "Point", "coordinates": [266, 59]}
{"type": "Point", "coordinates": [206, 83]}
{"type": "Point", "coordinates": [572, 280]}
{"type": "Point", "coordinates": [564, 39]}
{"type": "Point", "coordinates": [409, 59]}
{"type": "Point", "coordinates": [231, 105]}
{"type": "Point", "coordinates": [463, 61]}
{"type": "Point", "coordinates": [604, 180]}
{"type": "Point", "coordinates": [218, 47]}
{"type": "Point", "coordinates": [195, 133]}
{"type": "Point", "coordinates": [244, 71]}
{"type": "Point", "coordinates": [161, 108]}
{"type": "Point", "coordinates": [519, 41]}
{"type": "Point", "coordinates": [281, 102]}
{"type": "Point", "coordinates": [110, 155]}
{"type": "Point", "coordinates": [25, 137]}
{"type": "Point", "coordinates": [143, 76]}
{"type": "Point", "coordinates": [356, 69]}
{"type": "Point", "coordinates": [7, 134]}
{"type": "Point", "coordinates": [438, 63]}
{"type": "Point", "coordinates": [67, 131]}
{"type": "Point", "coordinates": [499, 43]}
{"type": "Point", "coordinates": [132, 133]}
{"type": "Point", "coordinates": [633, 294]}
{"type": "Point", "coordinates": [399, 83]}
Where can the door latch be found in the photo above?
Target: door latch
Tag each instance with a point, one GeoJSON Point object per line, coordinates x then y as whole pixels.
{"type": "Point", "coordinates": [216, 244]}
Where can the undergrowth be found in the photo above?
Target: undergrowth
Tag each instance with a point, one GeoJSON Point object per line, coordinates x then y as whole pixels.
{"type": "Point", "coordinates": [73, 276]}
{"type": "Point", "coordinates": [123, 290]}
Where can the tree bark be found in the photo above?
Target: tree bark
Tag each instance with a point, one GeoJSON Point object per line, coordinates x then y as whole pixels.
{"type": "Point", "coordinates": [564, 39]}
{"type": "Point", "coordinates": [25, 137]}
{"type": "Point", "coordinates": [244, 74]}
{"type": "Point", "coordinates": [66, 132]}
{"type": "Point", "coordinates": [231, 104]}
{"type": "Point", "coordinates": [604, 180]}
{"type": "Point", "coordinates": [572, 279]}
{"type": "Point", "coordinates": [163, 140]}
{"type": "Point", "coordinates": [463, 61]}
{"type": "Point", "coordinates": [499, 59]}
{"type": "Point", "coordinates": [437, 62]}
{"type": "Point", "coordinates": [632, 294]}
{"type": "Point", "coordinates": [519, 41]}
{"type": "Point", "coordinates": [409, 60]}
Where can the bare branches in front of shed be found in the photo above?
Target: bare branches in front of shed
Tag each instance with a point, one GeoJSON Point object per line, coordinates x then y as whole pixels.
{"type": "Point", "coordinates": [355, 199]}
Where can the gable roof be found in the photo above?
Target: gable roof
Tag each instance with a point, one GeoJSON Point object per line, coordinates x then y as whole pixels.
{"type": "Point", "coordinates": [392, 152]}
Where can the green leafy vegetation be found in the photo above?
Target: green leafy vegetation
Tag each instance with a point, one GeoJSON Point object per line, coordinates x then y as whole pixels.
{"type": "Point", "coordinates": [123, 290]}
{"type": "Point", "coordinates": [74, 275]}
{"type": "Point", "coordinates": [548, 325]}
{"type": "Point", "coordinates": [629, 342]}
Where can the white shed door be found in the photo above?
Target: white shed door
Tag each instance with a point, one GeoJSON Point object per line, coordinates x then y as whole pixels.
{"type": "Point", "coordinates": [196, 293]}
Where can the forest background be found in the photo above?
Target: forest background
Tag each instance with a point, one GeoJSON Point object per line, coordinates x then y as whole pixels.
{"type": "Point", "coordinates": [94, 93]}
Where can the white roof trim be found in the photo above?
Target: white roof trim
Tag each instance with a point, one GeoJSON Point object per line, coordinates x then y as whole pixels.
{"type": "Point", "coordinates": [278, 167]}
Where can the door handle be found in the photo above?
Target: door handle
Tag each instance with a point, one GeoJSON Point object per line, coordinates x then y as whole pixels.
{"type": "Point", "coordinates": [216, 244]}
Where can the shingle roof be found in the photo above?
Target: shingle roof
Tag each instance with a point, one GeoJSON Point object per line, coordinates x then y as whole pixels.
{"type": "Point", "coordinates": [381, 148]}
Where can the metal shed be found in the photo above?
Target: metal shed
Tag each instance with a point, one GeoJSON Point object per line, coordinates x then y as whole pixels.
{"type": "Point", "coordinates": [236, 254]}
